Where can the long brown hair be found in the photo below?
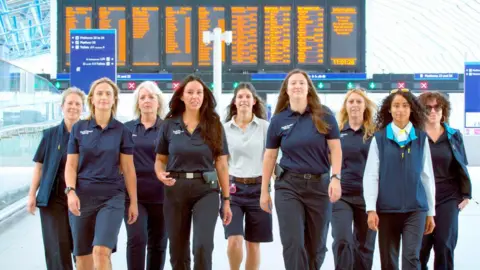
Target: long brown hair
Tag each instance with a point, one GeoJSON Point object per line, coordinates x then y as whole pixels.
{"type": "Point", "coordinates": [441, 99]}
{"type": "Point", "coordinates": [312, 100]}
{"type": "Point", "coordinates": [94, 85]}
{"type": "Point", "coordinates": [368, 114]}
{"type": "Point", "coordinates": [258, 108]}
{"type": "Point", "coordinates": [210, 125]}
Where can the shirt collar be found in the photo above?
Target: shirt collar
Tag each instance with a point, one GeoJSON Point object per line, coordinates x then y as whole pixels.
{"type": "Point", "coordinates": [254, 120]}
{"type": "Point", "coordinates": [92, 123]}
{"type": "Point", "coordinates": [393, 131]}
{"type": "Point", "coordinates": [156, 125]}
{"type": "Point", "coordinates": [346, 127]}
{"type": "Point", "coordinates": [291, 112]}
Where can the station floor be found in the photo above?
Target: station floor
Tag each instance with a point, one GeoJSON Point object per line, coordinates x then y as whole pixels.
{"type": "Point", "coordinates": [21, 245]}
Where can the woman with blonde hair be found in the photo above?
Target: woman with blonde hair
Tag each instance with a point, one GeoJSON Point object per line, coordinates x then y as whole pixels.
{"type": "Point", "coordinates": [99, 149]}
{"type": "Point", "coordinates": [353, 249]}
{"type": "Point", "coordinates": [149, 230]}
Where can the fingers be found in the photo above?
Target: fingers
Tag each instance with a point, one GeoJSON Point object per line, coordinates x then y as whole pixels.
{"type": "Point", "coordinates": [227, 216]}
{"type": "Point", "coordinates": [74, 206]}
{"type": "Point", "coordinates": [132, 217]}
{"type": "Point", "coordinates": [334, 193]}
{"type": "Point", "coordinates": [429, 226]}
{"type": "Point", "coordinates": [169, 181]}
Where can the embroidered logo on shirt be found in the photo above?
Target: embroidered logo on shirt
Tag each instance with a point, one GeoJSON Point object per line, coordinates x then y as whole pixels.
{"type": "Point", "coordinates": [134, 135]}
{"type": "Point", "coordinates": [177, 132]}
{"type": "Point", "coordinates": [287, 127]}
{"type": "Point", "coordinates": [86, 132]}
{"type": "Point", "coordinates": [343, 135]}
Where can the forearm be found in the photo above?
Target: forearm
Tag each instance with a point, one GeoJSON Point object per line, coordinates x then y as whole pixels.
{"type": "Point", "coordinates": [223, 179]}
{"type": "Point", "coordinates": [267, 171]}
{"type": "Point", "coordinates": [37, 172]}
{"type": "Point", "coordinates": [160, 166]}
{"type": "Point", "coordinates": [131, 184]}
{"type": "Point", "coordinates": [71, 176]}
{"type": "Point", "coordinates": [336, 159]}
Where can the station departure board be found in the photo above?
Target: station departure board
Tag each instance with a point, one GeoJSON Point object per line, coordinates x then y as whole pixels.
{"type": "Point", "coordinates": [146, 35]}
{"type": "Point", "coordinates": [208, 19]}
{"type": "Point", "coordinates": [277, 36]}
{"type": "Point", "coordinates": [75, 18]}
{"type": "Point", "coordinates": [343, 39]}
{"type": "Point", "coordinates": [178, 36]}
{"type": "Point", "coordinates": [115, 18]}
{"type": "Point", "coordinates": [310, 35]}
{"type": "Point", "coordinates": [244, 35]}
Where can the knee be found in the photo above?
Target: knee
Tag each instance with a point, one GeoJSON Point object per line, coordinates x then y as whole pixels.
{"type": "Point", "coordinates": [101, 253]}
{"type": "Point", "coordinates": [253, 248]}
{"type": "Point", "coordinates": [235, 243]}
{"type": "Point", "coordinates": [137, 240]}
{"type": "Point", "coordinates": [443, 248]}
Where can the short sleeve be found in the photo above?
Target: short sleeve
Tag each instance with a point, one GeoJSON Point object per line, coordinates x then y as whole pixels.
{"type": "Point", "coordinates": [333, 130]}
{"type": "Point", "coordinates": [73, 141]}
{"type": "Point", "coordinates": [126, 146]}
{"type": "Point", "coordinates": [162, 141]}
{"type": "Point", "coordinates": [40, 153]}
{"type": "Point", "coordinates": [224, 143]}
{"type": "Point", "coordinates": [273, 139]}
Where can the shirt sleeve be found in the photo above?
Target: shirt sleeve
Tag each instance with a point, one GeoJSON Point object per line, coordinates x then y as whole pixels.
{"type": "Point", "coordinates": [224, 142]}
{"type": "Point", "coordinates": [162, 141]}
{"type": "Point", "coordinates": [333, 131]}
{"type": "Point", "coordinates": [273, 139]}
{"type": "Point", "coordinates": [126, 147]}
{"type": "Point", "coordinates": [428, 178]}
{"type": "Point", "coordinates": [73, 144]}
{"type": "Point", "coordinates": [40, 153]}
{"type": "Point", "coordinates": [371, 177]}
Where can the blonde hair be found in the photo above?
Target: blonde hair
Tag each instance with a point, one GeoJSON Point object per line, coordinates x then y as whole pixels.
{"type": "Point", "coordinates": [73, 90]}
{"type": "Point", "coordinates": [94, 85]}
{"type": "Point", "coordinates": [368, 114]}
{"type": "Point", "coordinates": [152, 88]}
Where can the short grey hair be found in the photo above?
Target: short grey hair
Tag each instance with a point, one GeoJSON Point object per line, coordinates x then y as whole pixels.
{"type": "Point", "coordinates": [153, 88]}
{"type": "Point", "coordinates": [73, 90]}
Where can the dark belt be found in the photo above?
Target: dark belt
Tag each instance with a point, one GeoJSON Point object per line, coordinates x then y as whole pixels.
{"type": "Point", "coordinates": [308, 176]}
{"type": "Point", "coordinates": [248, 180]}
{"type": "Point", "coordinates": [187, 175]}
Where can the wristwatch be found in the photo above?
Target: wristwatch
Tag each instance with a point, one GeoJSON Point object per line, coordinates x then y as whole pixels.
{"type": "Point", "coordinates": [336, 176]}
{"type": "Point", "coordinates": [226, 198]}
{"type": "Point", "coordinates": [68, 189]}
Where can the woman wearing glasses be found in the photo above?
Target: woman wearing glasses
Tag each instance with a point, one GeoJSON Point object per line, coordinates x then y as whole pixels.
{"type": "Point", "coordinates": [398, 184]}
{"type": "Point", "coordinates": [453, 186]}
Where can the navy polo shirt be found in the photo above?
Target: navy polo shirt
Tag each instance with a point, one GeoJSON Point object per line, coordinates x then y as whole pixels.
{"type": "Point", "coordinates": [99, 151]}
{"type": "Point", "coordinates": [304, 149]}
{"type": "Point", "coordinates": [354, 155]}
{"type": "Point", "coordinates": [186, 152]}
{"type": "Point", "coordinates": [149, 188]}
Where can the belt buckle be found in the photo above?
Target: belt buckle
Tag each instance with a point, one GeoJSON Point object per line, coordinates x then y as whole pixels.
{"type": "Point", "coordinates": [189, 175]}
{"type": "Point", "coordinates": [307, 176]}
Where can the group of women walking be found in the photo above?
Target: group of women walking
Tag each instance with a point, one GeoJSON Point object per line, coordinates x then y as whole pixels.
{"type": "Point", "coordinates": [399, 172]}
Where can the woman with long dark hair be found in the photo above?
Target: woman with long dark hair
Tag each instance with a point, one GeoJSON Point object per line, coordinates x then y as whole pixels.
{"type": "Point", "coordinates": [191, 155]}
{"type": "Point", "coordinates": [307, 133]}
{"type": "Point", "coordinates": [452, 181]}
{"type": "Point", "coordinates": [246, 130]}
{"type": "Point", "coordinates": [398, 184]}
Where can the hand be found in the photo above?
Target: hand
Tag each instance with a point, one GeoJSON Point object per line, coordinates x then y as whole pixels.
{"type": "Point", "coordinates": [227, 213]}
{"type": "Point", "coordinates": [266, 202]}
{"type": "Point", "coordinates": [334, 190]}
{"type": "Point", "coordinates": [74, 203]}
{"type": "Point", "coordinates": [373, 220]}
{"type": "Point", "coordinates": [132, 213]}
{"type": "Point", "coordinates": [31, 204]}
{"type": "Point", "coordinates": [429, 225]}
{"type": "Point", "coordinates": [166, 180]}
{"type": "Point", "coordinates": [463, 204]}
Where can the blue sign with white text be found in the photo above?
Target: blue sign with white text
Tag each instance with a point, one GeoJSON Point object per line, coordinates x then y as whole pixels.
{"type": "Point", "coordinates": [129, 77]}
{"type": "Point", "coordinates": [472, 94]}
{"type": "Point", "coordinates": [436, 76]}
{"type": "Point", "coordinates": [313, 76]}
{"type": "Point", "coordinates": [93, 56]}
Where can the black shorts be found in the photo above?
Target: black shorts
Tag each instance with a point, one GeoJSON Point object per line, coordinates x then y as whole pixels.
{"type": "Point", "coordinates": [245, 201]}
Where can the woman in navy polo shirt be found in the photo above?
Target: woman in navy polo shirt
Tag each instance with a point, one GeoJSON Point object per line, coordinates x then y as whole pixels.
{"type": "Point", "coordinates": [452, 181]}
{"type": "Point", "coordinates": [308, 135]}
{"type": "Point", "coordinates": [353, 250]}
{"type": "Point", "coordinates": [191, 146]}
{"type": "Point", "coordinates": [246, 130]}
{"type": "Point", "coordinates": [149, 230]}
{"type": "Point", "coordinates": [398, 183]}
{"type": "Point", "coordinates": [99, 149]}
{"type": "Point", "coordinates": [48, 179]}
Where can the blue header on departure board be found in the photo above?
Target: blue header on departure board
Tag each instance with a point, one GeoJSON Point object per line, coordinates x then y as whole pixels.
{"type": "Point", "coordinates": [313, 76]}
{"type": "Point", "coordinates": [436, 76]}
{"type": "Point", "coordinates": [93, 56]}
{"type": "Point", "coordinates": [472, 94]}
{"type": "Point", "coordinates": [129, 77]}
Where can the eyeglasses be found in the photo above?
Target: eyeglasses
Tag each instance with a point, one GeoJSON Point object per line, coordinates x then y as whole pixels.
{"type": "Point", "coordinates": [399, 89]}
{"type": "Point", "coordinates": [437, 108]}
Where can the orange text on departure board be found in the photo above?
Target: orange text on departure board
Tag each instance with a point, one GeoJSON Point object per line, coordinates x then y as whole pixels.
{"type": "Point", "coordinates": [344, 61]}
{"type": "Point", "coordinates": [173, 15]}
{"type": "Point", "coordinates": [245, 35]}
{"type": "Point", "coordinates": [72, 21]}
{"type": "Point", "coordinates": [277, 34]}
{"type": "Point", "coordinates": [205, 23]}
{"type": "Point", "coordinates": [140, 17]}
{"type": "Point", "coordinates": [105, 22]}
{"type": "Point", "coordinates": [343, 24]}
{"type": "Point", "coordinates": [310, 35]}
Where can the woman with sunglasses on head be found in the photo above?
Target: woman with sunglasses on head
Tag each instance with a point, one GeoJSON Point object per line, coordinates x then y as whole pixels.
{"type": "Point", "coordinates": [246, 130]}
{"type": "Point", "coordinates": [453, 186]}
{"type": "Point", "coordinates": [353, 250]}
{"type": "Point", "coordinates": [398, 184]}
{"type": "Point", "coordinates": [192, 154]}
{"type": "Point", "coordinates": [308, 135]}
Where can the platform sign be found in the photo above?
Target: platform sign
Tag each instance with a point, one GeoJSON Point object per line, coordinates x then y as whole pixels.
{"type": "Point", "coordinates": [92, 56]}
{"type": "Point", "coordinates": [472, 97]}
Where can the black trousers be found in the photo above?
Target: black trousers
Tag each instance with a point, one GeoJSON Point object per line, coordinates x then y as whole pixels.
{"type": "Point", "coordinates": [352, 249]}
{"type": "Point", "coordinates": [444, 237]}
{"type": "Point", "coordinates": [409, 227]}
{"type": "Point", "coordinates": [304, 211]}
{"type": "Point", "coordinates": [186, 201]}
{"type": "Point", "coordinates": [57, 236]}
{"type": "Point", "coordinates": [148, 231]}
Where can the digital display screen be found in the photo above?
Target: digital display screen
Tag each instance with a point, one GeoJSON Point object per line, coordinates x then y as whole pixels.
{"type": "Point", "coordinates": [75, 18]}
{"type": "Point", "coordinates": [146, 36]}
{"type": "Point", "coordinates": [310, 35]}
{"type": "Point", "coordinates": [114, 18]}
{"type": "Point", "coordinates": [178, 36]}
{"type": "Point", "coordinates": [244, 35]}
{"type": "Point", "coordinates": [277, 36]}
{"type": "Point", "coordinates": [343, 40]}
{"type": "Point", "coordinates": [208, 19]}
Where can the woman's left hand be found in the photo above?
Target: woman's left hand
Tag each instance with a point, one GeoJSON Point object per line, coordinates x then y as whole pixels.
{"type": "Point", "coordinates": [334, 190]}
{"type": "Point", "coordinates": [463, 204]}
{"type": "Point", "coordinates": [132, 213]}
{"type": "Point", "coordinates": [429, 225]}
{"type": "Point", "coordinates": [227, 213]}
